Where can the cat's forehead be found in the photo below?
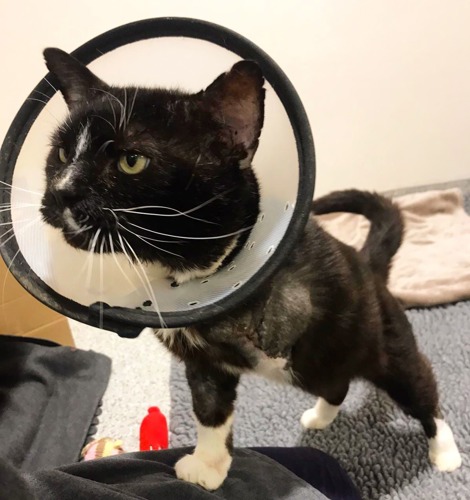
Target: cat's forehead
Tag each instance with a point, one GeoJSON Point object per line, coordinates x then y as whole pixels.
{"type": "Point", "coordinates": [126, 112]}
{"type": "Point", "coordinates": [87, 133]}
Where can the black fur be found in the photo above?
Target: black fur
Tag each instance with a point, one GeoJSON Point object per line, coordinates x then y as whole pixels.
{"type": "Point", "coordinates": [330, 314]}
{"type": "Point", "coordinates": [327, 311]}
{"type": "Point", "coordinates": [386, 232]}
{"type": "Point", "coordinates": [195, 144]}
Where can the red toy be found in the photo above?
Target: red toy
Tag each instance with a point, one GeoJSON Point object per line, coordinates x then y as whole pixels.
{"type": "Point", "coordinates": [153, 431]}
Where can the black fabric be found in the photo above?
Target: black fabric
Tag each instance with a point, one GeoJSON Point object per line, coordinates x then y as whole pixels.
{"type": "Point", "coordinates": [150, 476]}
{"type": "Point", "coordinates": [317, 468]}
{"type": "Point", "coordinates": [48, 398]}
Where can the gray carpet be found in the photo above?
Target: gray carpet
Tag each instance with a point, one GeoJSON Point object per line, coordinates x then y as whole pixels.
{"type": "Point", "coordinates": [384, 451]}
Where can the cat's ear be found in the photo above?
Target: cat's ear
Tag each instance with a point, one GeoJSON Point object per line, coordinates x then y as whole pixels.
{"type": "Point", "coordinates": [236, 100]}
{"type": "Point", "coordinates": [76, 82]}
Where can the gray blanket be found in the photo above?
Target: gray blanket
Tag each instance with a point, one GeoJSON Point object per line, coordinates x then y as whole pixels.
{"type": "Point", "coordinates": [132, 476]}
{"type": "Point", "coordinates": [48, 399]}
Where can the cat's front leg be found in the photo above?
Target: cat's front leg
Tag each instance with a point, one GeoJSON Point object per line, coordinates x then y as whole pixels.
{"type": "Point", "coordinates": [213, 392]}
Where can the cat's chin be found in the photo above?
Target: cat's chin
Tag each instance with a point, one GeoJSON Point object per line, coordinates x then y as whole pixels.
{"type": "Point", "coordinates": [80, 243]}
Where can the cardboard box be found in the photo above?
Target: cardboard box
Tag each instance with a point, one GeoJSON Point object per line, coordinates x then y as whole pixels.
{"type": "Point", "coordinates": [22, 315]}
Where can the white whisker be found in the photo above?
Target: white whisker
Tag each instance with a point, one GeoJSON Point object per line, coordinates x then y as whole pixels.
{"type": "Point", "coordinates": [105, 120]}
{"type": "Point", "coordinates": [35, 99]}
{"type": "Point", "coordinates": [49, 83]}
{"type": "Point", "coordinates": [42, 93]}
{"type": "Point", "coordinates": [124, 114]}
{"type": "Point", "coordinates": [16, 222]}
{"type": "Point", "coordinates": [78, 231]}
{"type": "Point", "coordinates": [148, 237]}
{"type": "Point", "coordinates": [17, 232]}
{"type": "Point", "coordinates": [19, 205]}
{"type": "Point", "coordinates": [132, 107]}
{"type": "Point", "coordinates": [91, 251]}
{"type": "Point", "coordinates": [7, 274]}
{"type": "Point", "coordinates": [104, 146]}
{"type": "Point", "coordinates": [101, 283]}
{"type": "Point", "coordinates": [87, 259]}
{"type": "Point", "coordinates": [150, 289]}
{"type": "Point", "coordinates": [133, 211]}
{"type": "Point", "coordinates": [83, 219]}
{"type": "Point", "coordinates": [114, 112]}
{"type": "Point", "coordinates": [4, 233]}
{"type": "Point", "coordinates": [193, 237]}
{"type": "Point", "coordinates": [123, 248]}
{"type": "Point", "coordinates": [112, 109]}
{"type": "Point", "coordinates": [152, 245]}
{"type": "Point", "coordinates": [143, 207]}
{"type": "Point", "coordinates": [210, 200]}
{"type": "Point", "coordinates": [114, 97]}
{"type": "Point", "coordinates": [113, 253]}
{"type": "Point", "coordinates": [157, 240]}
{"type": "Point", "coordinates": [21, 189]}
{"type": "Point", "coordinates": [45, 108]}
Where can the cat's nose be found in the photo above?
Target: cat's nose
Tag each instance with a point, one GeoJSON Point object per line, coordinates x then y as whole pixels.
{"type": "Point", "coordinates": [64, 197]}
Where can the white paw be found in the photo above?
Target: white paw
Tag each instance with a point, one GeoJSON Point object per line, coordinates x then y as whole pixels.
{"type": "Point", "coordinates": [446, 461]}
{"type": "Point", "coordinates": [320, 416]}
{"type": "Point", "coordinates": [312, 420]}
{"type": "Point", "coordinates": [443, 451]}
{"type": "Point", "coordinates": [192, 469]}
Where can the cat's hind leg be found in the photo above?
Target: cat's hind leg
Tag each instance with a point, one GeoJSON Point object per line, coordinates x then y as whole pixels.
{"type": "Point", "coordinates": [213, 393]}
{"type": "Point", "coordinates": [410, 382]}
{"type": "Point", "coordinates": [325, 410]}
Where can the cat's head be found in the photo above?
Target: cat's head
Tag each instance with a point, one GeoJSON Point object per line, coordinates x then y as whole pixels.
{"type": "Point", "coordinates": [160, 175]}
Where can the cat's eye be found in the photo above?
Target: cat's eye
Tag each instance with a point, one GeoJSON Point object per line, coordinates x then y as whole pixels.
{"type": "Point", "coordinates": [62, 155]}
{"type": "Point", "coordinates": [132, 163]}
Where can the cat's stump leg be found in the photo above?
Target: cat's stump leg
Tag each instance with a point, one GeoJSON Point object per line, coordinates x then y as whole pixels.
{"type": "Point", "coordinates": [443, 451]}
{"type": "Point", "coordinates": [320, 416]}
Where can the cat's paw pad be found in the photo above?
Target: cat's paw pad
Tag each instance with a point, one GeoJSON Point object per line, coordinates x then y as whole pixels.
{"type": "Point", "coordinates": [446, 461]}
{"type": "Point", "coordinates": [194, 470]}
{"type": "Point", "coordinates": [311, 419]}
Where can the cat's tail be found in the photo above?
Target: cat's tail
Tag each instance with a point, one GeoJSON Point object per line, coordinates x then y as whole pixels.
{"type": "Point", "coordinates": [386, 228]}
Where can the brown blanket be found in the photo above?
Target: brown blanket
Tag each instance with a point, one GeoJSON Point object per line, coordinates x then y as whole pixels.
{"type": "Point", "coordinates": [433, 264]}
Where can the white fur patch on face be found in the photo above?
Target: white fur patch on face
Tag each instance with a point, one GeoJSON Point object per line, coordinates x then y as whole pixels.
{"type": "Point", "coordinates": [209, 464]}
{"type": "Point", "coordinates": [65, 180]}
{"type": "Point", "coordinates": [82, 143]}
{"type": "Point", "coordinates": [69, 220]}
{"type": "Point", "coordinates": [320, 416]}
{"type": "Point", "coordinates": [443, 451]}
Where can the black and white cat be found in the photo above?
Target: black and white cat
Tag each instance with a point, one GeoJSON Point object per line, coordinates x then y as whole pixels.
{"type": "Point", "coordinates": [325, 318]}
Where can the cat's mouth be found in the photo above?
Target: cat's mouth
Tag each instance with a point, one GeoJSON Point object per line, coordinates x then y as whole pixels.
{"type": "Point", "coordinates": [78, 228]}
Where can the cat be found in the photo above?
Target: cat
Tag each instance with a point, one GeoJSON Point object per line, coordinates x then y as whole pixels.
{"type": "Point", "coordinates": [324, 319]}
